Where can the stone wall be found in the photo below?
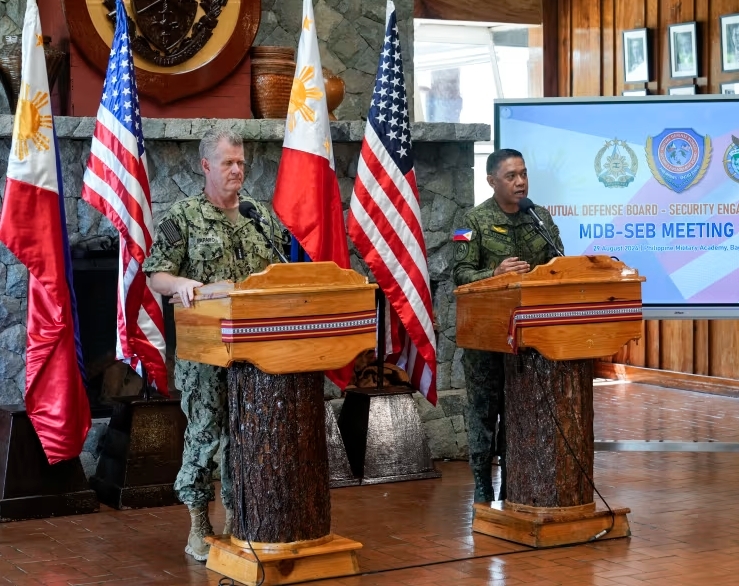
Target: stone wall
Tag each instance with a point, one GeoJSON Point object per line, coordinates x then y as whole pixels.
{"type": "Point", "coordinates": [350, 36]}
{"type": "Point", "coordinates": [444, 158]}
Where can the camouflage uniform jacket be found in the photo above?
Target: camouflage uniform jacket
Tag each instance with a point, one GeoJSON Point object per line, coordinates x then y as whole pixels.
{"type": "Point", "coordinates": [196, 240]}
{"type": "Point", "coordinates": [497, 236]}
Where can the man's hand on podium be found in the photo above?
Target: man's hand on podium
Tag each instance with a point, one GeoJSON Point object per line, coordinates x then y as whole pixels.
{"type": "Point", "coordinates": [511, 265]}
{"type": "Point", "coordinates": [182, 287]}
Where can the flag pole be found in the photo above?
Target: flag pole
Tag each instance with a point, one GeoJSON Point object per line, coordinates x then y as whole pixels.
{"type": "Point", "coordinates": [380, 296]}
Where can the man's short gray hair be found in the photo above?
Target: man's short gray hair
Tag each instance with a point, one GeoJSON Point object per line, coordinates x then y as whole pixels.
{"type": "Point", "coordinates": [212, 137]}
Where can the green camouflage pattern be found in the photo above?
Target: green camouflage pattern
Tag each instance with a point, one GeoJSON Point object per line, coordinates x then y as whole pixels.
{"type": "Point", "coordinates": [211, 248]}
{"type": "Point", "coordinates": [204, 402]}
{"type": "Point", "coordinates": [201, 243]}
{"type": "Point", "coordinates": [495, 237]}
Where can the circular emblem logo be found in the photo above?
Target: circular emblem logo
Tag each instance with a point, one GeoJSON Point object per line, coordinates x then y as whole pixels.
{"type": "Point", "coordinates": [678, 152]}
{"type": "Point", "coordinates": [616, 164]}
{"type": "Point", "coordinates": [460, 250]}
{"type": "Point", "coordinates": [731, 161]}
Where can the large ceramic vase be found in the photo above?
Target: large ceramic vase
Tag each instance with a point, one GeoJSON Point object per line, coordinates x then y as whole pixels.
{"type": "Point", "coordinates": [334, 91]}
{"type": "Point", "coordinates": [10, 66]}
{"type": "Point", "coordinates": [272, 72]}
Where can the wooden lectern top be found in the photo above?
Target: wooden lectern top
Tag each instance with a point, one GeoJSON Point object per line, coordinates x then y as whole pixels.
{"type": "Point", "coordinates": [570, 308]}
{"type": "Point", "coordinates": [297, 317]}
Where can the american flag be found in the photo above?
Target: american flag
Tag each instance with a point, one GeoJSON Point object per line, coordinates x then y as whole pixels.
{"type": "Point", "coordinates": [385, 219]}
{"type": "Point", "coordinates": [116, 183]}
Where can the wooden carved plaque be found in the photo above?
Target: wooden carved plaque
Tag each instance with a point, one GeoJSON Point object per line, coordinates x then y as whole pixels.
{"type": "Point", "coordinates": [181, 47]}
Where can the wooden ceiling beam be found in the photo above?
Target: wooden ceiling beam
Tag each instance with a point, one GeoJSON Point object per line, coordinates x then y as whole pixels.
{"type": "Point", "coordinates": [504, 11]}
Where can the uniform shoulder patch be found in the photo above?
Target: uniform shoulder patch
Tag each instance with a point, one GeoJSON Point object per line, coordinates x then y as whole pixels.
{"type": "Point", "coordinates": [171, 232]}
{"type": "Point", "coordinates": [463, 235]}
{"type": "Point", "coordinates": [461, 249]}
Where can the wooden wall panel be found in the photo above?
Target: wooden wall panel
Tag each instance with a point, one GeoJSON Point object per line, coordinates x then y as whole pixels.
{"type": "Point", "coordinates": [676, 345]}
{"type": "Point", "coordinates": [723, 358]}
{"type": "Point", "coordinates": [701, 347]}
{"type": "Point", "coordinates": [607, 46]}
{"type": "Point", "coordinates": [586, 49]}
{"type": "Point", "coordinates": [587, 59]}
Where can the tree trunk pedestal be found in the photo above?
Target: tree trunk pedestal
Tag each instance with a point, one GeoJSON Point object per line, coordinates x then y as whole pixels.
{"type": "Point", "coordinates": [280, 469]}
{"type": "Point", "coordinates": [549, 442]}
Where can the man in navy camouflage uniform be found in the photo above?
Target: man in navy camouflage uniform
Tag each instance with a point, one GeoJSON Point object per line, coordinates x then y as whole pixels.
{"type": "Point", "coordinates": [502, 240]}
{"type": "Point", "coordinates": [202, 240]}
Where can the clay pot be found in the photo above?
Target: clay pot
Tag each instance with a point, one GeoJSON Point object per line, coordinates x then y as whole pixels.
{"type": "Point", "coordinates": [334, 91]}
{"type": "Point", "coordinates": [272, 73]}
{"type": "Point", "coordinates": [10, 66]}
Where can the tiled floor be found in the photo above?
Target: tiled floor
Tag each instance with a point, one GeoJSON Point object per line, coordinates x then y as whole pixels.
{"type": "Point", "coordinates": [684, 519]}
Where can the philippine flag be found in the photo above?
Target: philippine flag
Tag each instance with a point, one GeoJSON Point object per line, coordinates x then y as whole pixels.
{"type": "Point", "coordinates": [33, 227]}
{"type": "Point", "coordinates": [463, 235]}
{"type": "Point", "coordinates": [307, 197]}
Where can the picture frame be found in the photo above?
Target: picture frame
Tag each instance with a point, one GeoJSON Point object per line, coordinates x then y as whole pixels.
{"type": "Point", "coordinates": [681, 90]}
{"type": "Point", "coordinates": [730, 89]}
{"type": "Point", "coordinates": [634, 93]}
{"type": "Point", "coordinates": [683, 50]}
{"type": "Point", "coordinates": [636, 55]}
{"type": "Point", "coordinates": [730, 42]}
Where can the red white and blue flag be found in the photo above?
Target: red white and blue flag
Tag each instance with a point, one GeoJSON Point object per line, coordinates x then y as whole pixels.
{"type": "Point", "coordinates": [462, 235]}
{"type": "Point", "coordinates": [116, 183]}
{"type": "Point", "coordinates": [307, 198]}
{"type": "Point", "coordinates": [385, 219]}
{"type": "Point", "coordinates": [33, 226]}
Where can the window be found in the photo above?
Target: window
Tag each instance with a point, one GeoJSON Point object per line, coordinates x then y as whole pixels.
{"type": "Point", "coordinates": [462, 67]}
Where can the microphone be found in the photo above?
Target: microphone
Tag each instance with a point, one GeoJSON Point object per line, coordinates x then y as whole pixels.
{"type": "Point", "coordinates": [249, 210]}
{"type": "Point", "coordinates": [527, 206]}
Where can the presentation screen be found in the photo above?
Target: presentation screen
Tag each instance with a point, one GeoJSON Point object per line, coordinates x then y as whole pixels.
{"type": "Point", "coordinates": [653, 181]}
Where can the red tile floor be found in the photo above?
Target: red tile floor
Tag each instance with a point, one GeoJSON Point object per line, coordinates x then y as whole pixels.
{"type": "Point", "coordinates": [684, 519]}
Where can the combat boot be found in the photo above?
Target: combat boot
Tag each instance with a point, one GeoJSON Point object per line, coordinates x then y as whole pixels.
{"type": "Point", "coordinates": [200, 528]}
{"type": "Point", "coordinates": [483, 485]}
{"type": "Point", "coordinates": [228, 525]}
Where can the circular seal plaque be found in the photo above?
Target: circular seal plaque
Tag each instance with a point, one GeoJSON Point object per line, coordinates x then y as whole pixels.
{"type": "Point", "coordinates": [181, 47]}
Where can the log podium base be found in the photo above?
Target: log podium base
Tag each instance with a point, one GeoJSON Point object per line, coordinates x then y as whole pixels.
{"type": "Point", "coordinates": [548, 526]}
{"type": "Point", "coordinates": [283, 563]}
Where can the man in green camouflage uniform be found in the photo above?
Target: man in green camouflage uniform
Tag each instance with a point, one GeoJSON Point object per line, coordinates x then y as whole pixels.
{"type": "Point", "coordinates": [502, 240]}
{"type": "Point", "coordinates": [202, 240]}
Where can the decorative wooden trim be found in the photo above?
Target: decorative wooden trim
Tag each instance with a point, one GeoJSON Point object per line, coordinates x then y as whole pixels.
{"type": "Point", "coordinates": [162, 87]}
{"type": "Point", "coordinates": [712, 385]}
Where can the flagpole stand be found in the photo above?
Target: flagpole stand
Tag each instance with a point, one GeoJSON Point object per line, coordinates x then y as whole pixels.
{"type": "Point", "coordinates": [340, 472]}
{"type": "Point", "coordinates": [142, 452]}
{"type": "Point", "coordinates": [30, 487]}
{"type": "Point", "coordinates": [381, 427]}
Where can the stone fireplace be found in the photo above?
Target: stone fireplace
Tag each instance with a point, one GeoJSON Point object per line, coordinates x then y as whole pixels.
{"type": "Point", "coordinates": [444, 156]}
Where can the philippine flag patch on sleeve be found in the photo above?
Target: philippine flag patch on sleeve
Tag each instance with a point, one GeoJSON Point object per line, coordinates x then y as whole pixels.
{"type": "Point", "coordinates": [462, 235]}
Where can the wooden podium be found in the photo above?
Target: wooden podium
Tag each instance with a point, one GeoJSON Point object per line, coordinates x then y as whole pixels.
{"type": "Point", "coordinates": [551, 323]}
{"type": "Point", "coordinates": [277, 331]}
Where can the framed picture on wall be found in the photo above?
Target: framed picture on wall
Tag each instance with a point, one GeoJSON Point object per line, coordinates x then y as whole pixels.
{"type": "Point", "coordinates": [683, 50]}
{"type": "Point", "coordinates": [682, 90]}
{"type": "Point", "coordinates": [730, 42]}
{"type": "Point", "coordinates": [634, 93]}
{"type": "Point", "coordinates": [730, 89]}
{"type": "Point", "coordinates": [636, 56]}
